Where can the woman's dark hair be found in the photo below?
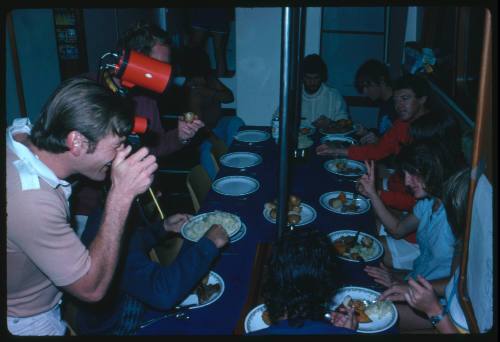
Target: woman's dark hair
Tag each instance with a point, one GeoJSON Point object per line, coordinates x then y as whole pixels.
{"type": "Point", "coordinates": [429, 159]}
{"type": "Point", "coordinates": [418, 84]}
{"type": "Point", "coordinates": [142, 37]}
{"type": "Point", "coordinates": [82, 105]}
{"type": "Point", "coordinates": [455, 193]}
{"type": "Point", "coordinates": [299, 279]}
{"type": "Point", "coordinates": [442, 126]}
{"type": "Point", "coordinates": [371, 72]}
{"type": "Point", "coordinates": [314, 64]}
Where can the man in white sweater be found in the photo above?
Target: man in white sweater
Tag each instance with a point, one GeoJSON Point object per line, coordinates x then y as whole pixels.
{"type": "Point", "coordinates": [321, 104]}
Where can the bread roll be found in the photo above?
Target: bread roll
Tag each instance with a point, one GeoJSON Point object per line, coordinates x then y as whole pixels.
{"type": "Point", "coordinates": [335, 203]}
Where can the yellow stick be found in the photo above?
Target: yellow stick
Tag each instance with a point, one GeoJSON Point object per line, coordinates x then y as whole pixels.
{"type": "Point", "coordinates": [156, 203]}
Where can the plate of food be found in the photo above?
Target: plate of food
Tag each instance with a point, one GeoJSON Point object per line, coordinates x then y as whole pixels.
{"type": "Point", "coordinates": [257, 319]}
{"type": "Point", "coordinates": [208, 291]}
{"type": "Point", "coordinates": [235, 185]}
{"type": "Point", "coordinates": [239, 234]}
{"type": "Point", "coordinates": [342, 127]}
{"type": "Point", "coordinates": [252, 136]}
{"type": "Point", "coordinates": [240, 160]}
{"type": "Point", "coordinates": [345, 203]}
{"type": "Point", "coordinates": [356, 246]}
{"type": "Point", "coordinates": [299, 213]}
{"type": "Point", "coordinates": [338, 141]}
{"type": "Point", "coordinates": [345, 167]}
{"type": "Point", "coordinates": [307, 130]}
{"type": "Point", "coordinates": [198, 225]}
{"type": "Point", "coordinates": [373, 315]}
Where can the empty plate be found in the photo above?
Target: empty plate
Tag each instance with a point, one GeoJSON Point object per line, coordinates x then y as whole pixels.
{"type": "Point", "coordinates": [338, 141]}
{"type": "Point", "coordinates": [240, 160]}
{"type": "Point", "coordinates": [252, 136]}
{"type": "Point", "coordinates": [235, 185]}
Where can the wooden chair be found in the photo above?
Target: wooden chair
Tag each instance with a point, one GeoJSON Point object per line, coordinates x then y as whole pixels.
{"type": "Point", "coordinates": [198, 183]}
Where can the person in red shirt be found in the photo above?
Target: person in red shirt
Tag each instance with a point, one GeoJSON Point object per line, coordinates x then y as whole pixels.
{"type": "Point", "coordinates": [410, 94]}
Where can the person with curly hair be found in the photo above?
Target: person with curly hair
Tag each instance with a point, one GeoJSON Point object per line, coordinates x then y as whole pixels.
{"type": "Point", "coordinates": [299, 285]}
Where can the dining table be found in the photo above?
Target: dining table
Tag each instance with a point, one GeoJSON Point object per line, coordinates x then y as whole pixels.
{"type": "Point", "coordinates": [241, 262]}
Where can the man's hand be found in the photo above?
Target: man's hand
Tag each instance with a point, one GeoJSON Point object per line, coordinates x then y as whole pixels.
{"type": "Point", "coordinates": [174, 223]}
{"type": "Point", "coordinates": [132, 175]}
{"type": "Point", "coordinates": [187, 130]}
{"type": "Point", "coordinates": [368, 138]}
{"type": "Point", "coordinates": [217, 235]}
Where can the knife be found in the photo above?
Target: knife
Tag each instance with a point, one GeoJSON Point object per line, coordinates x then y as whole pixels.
{"type": "Point", "coordinates": [175, 311]}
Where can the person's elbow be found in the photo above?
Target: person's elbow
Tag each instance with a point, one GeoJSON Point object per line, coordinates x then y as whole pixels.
{"type": "Point", "coordinates": [86, 292]}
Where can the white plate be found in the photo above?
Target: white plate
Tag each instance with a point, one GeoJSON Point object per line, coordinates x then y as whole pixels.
{"type": "Point", "coordinates": [196, 222]}
{"type": "Point", "coordinates": [240, 160]}
{"type": "Point", "coordinates": [254, 321]}
{"type": "Point", "coordinates": [322, 131]}
{"type": "Point", "coordinates": [213, 278]}
{"type": "Point", "coordinates": [235, 185]}
{"type": "Point", "coordinates": [239, 234]}
{"type": "Point", "coordinates": [361, 293]}
{"type": "Point", "coordinates": [377, 247]}
{"type": "Point", "coordinates": [252, 136]}
{"type": "Point", "coordinates": [312, 130]}
{"type": "Point", "coordinates": [339, 138]}
{"type": "Point", "coordinates": [362, 202]}
{"type": "Point", "coordinates": [307, 215]}
{"type": "Point", "coordinates": [331, 166]}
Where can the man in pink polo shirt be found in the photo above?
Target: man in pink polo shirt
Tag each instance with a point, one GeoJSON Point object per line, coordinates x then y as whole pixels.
{"type": "Point", "coordinates": [81, 130]}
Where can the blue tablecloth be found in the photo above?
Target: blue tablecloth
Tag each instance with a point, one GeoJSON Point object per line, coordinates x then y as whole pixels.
{"type": "Point", "coordinates": [309, 180]}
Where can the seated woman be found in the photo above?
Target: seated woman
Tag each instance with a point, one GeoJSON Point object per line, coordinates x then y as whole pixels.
{"type": "Point", "coordinates": [426, 165]}
{"type": "Point", "coordinates": [299, 286]}
{"type": "Point", "coordinates": [435, 303]}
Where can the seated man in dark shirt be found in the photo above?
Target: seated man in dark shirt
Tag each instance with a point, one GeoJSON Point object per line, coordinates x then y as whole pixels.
{"type": "Point", "coordinates": [141, 284]}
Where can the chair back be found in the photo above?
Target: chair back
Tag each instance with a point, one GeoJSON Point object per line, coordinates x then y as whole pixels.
{"type": "Point", "coordinates": [198, 183]}
{"type": "Point", "coordinates": [219, 148]}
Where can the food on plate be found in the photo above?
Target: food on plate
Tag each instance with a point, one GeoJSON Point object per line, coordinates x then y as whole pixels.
{"type": "Point", "coordinates": [339, 126]}
{"type": "Point", "coordinates": [378, 309]}
{"type": "Point", "coordinates": [294, 209]}
{"type": "Point", "coordinates": [343, 166]}
{"type": "Point", "coordinates": [197, 228]}
{"type": "Point", "coordinates": [359, 308]}
{"type": "Point", "coordinates": [354, 248]}
{"type": "Point", "coordinates": [265, 317]}
{"type": "Point", "coordinates": [205, 291]}
{"type": "Point", "coordinates": [190, 117]}
{"type": "Point", "coordinates": [335, 203]}
{"type": "Point", "coordinates": [341, 202]}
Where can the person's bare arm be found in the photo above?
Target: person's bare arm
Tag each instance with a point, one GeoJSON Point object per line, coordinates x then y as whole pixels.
{"type": "Point", "coordinates": [129, 177]}
{"type": "Point", "coordinates": [397, 228]}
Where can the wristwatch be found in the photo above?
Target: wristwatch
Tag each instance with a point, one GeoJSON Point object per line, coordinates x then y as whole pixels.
{"type": "Point", "coordinates": [436, 319]}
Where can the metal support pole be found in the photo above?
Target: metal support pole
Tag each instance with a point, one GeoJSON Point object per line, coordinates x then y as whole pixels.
{"type": "Point", "coordinates": [292, 47]}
